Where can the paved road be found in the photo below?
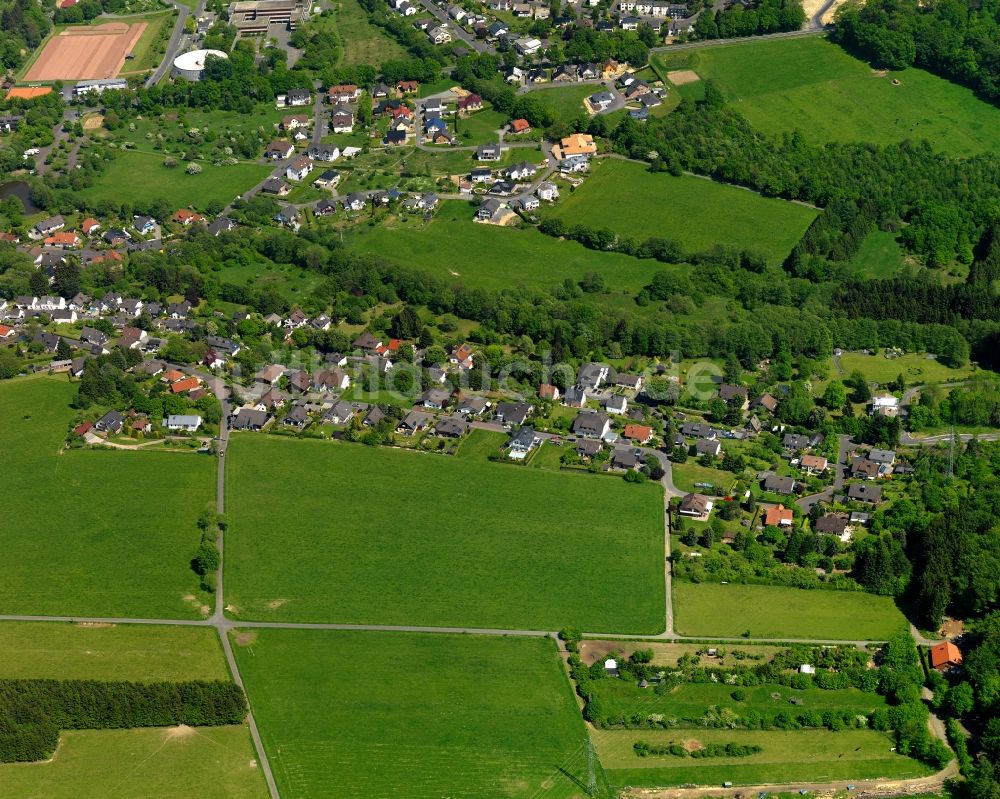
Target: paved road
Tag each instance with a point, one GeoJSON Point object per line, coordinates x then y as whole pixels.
{"type": "Point", "coordinates": [318, 123]}
{"type": "Point", "coordinates": [174, 45]}
{"type": "Point", "coordinates": [456, 30]}
{"type": "Point", "coordinates": [839, 477]}
{"type": "Point", "coordinates": [670, 48]}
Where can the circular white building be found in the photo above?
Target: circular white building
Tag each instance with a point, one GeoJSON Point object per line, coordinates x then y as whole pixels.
{"type": "Point", "coordinates": [192, 65]}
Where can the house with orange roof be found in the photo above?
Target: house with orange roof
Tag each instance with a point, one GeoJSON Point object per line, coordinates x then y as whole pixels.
{"type": "Point", "coordinates": [187, 384]}
{"type": "Point", "coordinates": [778, 516]}
{"type": "Point", "coordinates": [945, 657]}
{"type": "Point", "coordinates": [548, 392]}
{"type": "Point", "coordinates": [6, 332]}
{"type": "Point", "coordinates": [638, 432]}
{"type": "Point", "coordinates": [172, 376]}
{"type": "Point", "coordinates": [520, 126]}
{"type": "Point", "coordinates": [577, 144]}
{"type": "Point", "coordinates": [185, 217]}
{"type": "Point", "coordinates": [462, 356]}
{"type": "Point", "coordinates": [64, 239]}
{"type": "Point", "coordinates": [89, 226]}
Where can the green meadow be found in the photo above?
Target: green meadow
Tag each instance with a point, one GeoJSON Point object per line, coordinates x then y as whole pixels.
{"type": "Point", "coordinates": [148, 763]}
{"type": "Point", "coordinates": [712, 609]}
{"type": "Point", "coordinates": [629, 199]}
{"type": "Point", "coordinates": [64, 651]}
{"type": "Point", "coordinates": [324, 531]}
{"type": "Point", "coordinates": [356, 715]}
{"type": "Point", "coordinates": [93, 533]}
{"type": "Point", "coordinates": [813, 86]}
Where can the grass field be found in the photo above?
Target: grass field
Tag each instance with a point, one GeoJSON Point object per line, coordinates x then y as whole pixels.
{"type": "Point", "coordinates": [151, 46]}
{"type": "Point", "coordinates": [690, 472]}
{"type": "Point", "coordinates": [363, 42]}
{"type": "Point", "coordinates": [879, 256]}
{"type": "Point", "coordinates": [363, 714]}
{"type": "Point", "coordinates": [687, 702]}
{"type": "Point", "coordinates": [207, 762]}
{"type": "Point", "coordinates": [482, 126]}
{"type": "Point", "coordinates": [148, 179]}
{"type": "Point", "coordinates": [411, 538]}
{"type": "Point", "coordinates": [778, 612]}
{"type": "Point", "coordinates": [815, 87]}
{"type": "Point", "coordinates": [565, 103]}
{"type": "Point", "coordinates": [504, 258]}
{"type": "Point", "coordinates": [915, 368]}
{"type": "Point", "coordinates": [53, 650]}
{"type": "Point", "coordinates": [97, 533]}
{"type": "Point", "coordinates": [629, 199]}
{"type": "Point", "coordinates": [787, 756]}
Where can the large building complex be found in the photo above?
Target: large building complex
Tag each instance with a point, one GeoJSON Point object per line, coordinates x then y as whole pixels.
{"type": "Point", "coordinates": [255, 17]}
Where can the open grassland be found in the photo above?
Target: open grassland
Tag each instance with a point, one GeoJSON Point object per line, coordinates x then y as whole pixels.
{"type": "Point", "coordinates": [879, 256]}
{"type": "Point", "coordinates": [151, 46]}
{"type": "Point", "coordinates": [914, 366]}
{"type": "Point", "coordinates": [371, 714]}
{"type": "Point", "coordinates": [87, 532]}
{"type": "Point", "coordinates": [565, 103]}
{"type": "Point", "coordinates": [503, 258]}
{"type": "Point", "coordinates": [687, 474]}
{"type": "Point", "coordinates": [333, 532]}
{"type": "Point", "coordinates": [699, 213]}
{"type": "Point", "coordinates": [54, 650]}
{"type": "Point", "coordinates": [688, 702]}
{"type": "Point", "coordinates": [481, 126]}
{"type": "Point", "coordinates": [767, 611]}
{"type": "Point", "coordinates": [813, 86]}
{"type": "Point", "coordinates": [362, 42]}
{"type": "Point", "coordinates": [160, 763]}
{"type": "Point", "coordinates": [148, 179]}
{"type": "Point", "coordinates": [787, 756]}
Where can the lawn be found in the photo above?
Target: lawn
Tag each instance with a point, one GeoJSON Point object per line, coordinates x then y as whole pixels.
{"type": "Point", "coordinates": [56, 650]}
{"type": "Point", "coordinates": [686, 474]}
{"type": "Point", "coordinates": [480, 444]}
{"type": "Point", "coordinates": [787, 756]}
{"type": "Point", "coordinates": [481, 126]}
{"type": "Point", "coordinates": [709, 609]}
{"type": "Point", "coordinates": [879, 256]}
{"type": "Point", "coordinates": [152, 44]}
{"type": "Point", "coordinates": [290, 281]}
{"type": "Point", "coordinates": [362, 42]}
{"type": "Point", "coordinates": [565, 103]}
{"type": "Point", "coordinates": [362, 714]}
{"type": "Point", "coordinates": [170, 763]}
{"type": "Point", "coordinates": [915, 367]}
{"type": "Point", "coordinates": [148, 179]}
{"type": "Point", "coordinates": [505, 258]}
{"type": "Point", "coordinates": [88, 532]}
{"type": "Point", "coordinates": [815, 87]}
{"type": "Point", "coordinates": [631, 200]}
{"type": "Point", "coordinates": [415, 538]}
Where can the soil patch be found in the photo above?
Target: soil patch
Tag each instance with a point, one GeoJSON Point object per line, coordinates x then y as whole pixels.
{"type": "Point", "coordinates": [679, 77]}
{"type": "Point", "coordinates": [245, 639]}
{"type": "Point", "coordinates": [92, 121]}
{"type": "Point", "coordinates": [86, 53]}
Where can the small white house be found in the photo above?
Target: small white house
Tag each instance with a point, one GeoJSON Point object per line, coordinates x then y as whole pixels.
{"type": "Point", "coordinates": [187, 423]}
{"type": "Point", "coordinates": [806, 668]}
{"type": "Point", "coordinates": [611, 667]}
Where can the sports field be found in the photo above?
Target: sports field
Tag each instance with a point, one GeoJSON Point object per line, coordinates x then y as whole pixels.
{"type": "Point", "coordinates": [63, 651]}
{"type": "Point", "coordinates": [813, 86]}
{"type": "Point", "coordinates": [629, 199]}
{"type": "Point", "coordinates": [331, 532]}
{"type": "Point", "coordinates": [148, 179]}
{"type": "Point", "coordinates": [170, 763]}
{"type": "Point", "coordinates": [93, 533]}
{"type": "Point", "coordinates": [83, 52]}
{"type": "Point", "coordinates": [712, 609]}
{"type": "Point", "coordinates": [788, 755]}
{"type": "Point", "coordinates": [504, 258]}
{"type": "Point", "coordinates": [371, 714]}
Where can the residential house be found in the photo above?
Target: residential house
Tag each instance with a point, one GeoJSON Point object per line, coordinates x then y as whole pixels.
{"type": "Point", "coordinates": [415, 422]}
{"type": "Point", "coordinates": [547, 391]}
{"type": "Point", "coordinates": [49, 226]}
{"type": "Point", "coordinates": [793, 442]}
{"type": "Point", "coordinates": [696, 506]}
{"type": "Point", "coordinates": [275, 186]}
{"type": "Point", "coordinates": [587, 447]}
{"type": "Point", "coordinates": [778, 516]}
{"type": "Point", "coordinates": [577, 144]}
{"type": "Point", "coordinates": [813, 464]}
{"type": "Point", "coordinates": [776, 484]}
{"type": "Point", "coordinates": [93, 337]}
{"type": "Point", "coordinates": [112, 422]}
{"type": "Point", "coordinates": [710, 447]}
{"type": "Point", "coordinates": [367, 342]}
{"type": "Point", "coordinates": [488, 152]}
{"type": "Point", "coordinates": [279, 150]}
{"type": "Point", "coordinates": [734, 395]}
{"type": "Point", "coordinates": [945, 657]}
{"type": "Point", "coordinates": [299, 169]}
{"type": "Point", "coordinates": [520, 126]}
{"type": "Point", "coordinates": [288, 216]}
{"type": "Point", "coordinates": [522, 172]}
{"type": "Point", "coordinates": [342, 121]}
{"type": "Point", "coordinates": [374, 416]}
{"type": "Point", "coordinates": [324, 152]}
{"type": "Point", "coordinates": [493, 210]}
{"type": "Point", "coordinates": [575, 397]}
{"type": "Point", "coordinates": [185, 385]}
{"type": "Point", "coordinates": [435, 399]}
{"type": "Point", "coordinates": [184, 216]}
{"type": "Point", "coordinates": [249, 419]}
{"type": "Point", "coordinates": [640, 433]}
{"type": "Point", "coordinates": [297, 97]}
{"type": "Point", "coordinates": [601, 101]}
{"type": "Point", "coordinates": [469, 103]}
{"type": "Point", "coordinates": [331, 380]}
{"type": "Point", "coordinates": [630, 382]}
{"type": "Point", "coordinates": [592, 375]}
{"type": "Point", "coordinates": [296, 417]}
{"type": "Point", "coordinates": [864, 492]}
{"type": "Point", "coordinates": [574, 163]}
{"type": "Point", "coordinates": [591, 424]}
{"type": "Point", "coordinates": [526, 47]}
{"type": "Point", "coordinates": [616, 404]}
{"type": "Point", "coordinates": [439, 35]}
{"type": "Point", "coordinates": [451, 427]}
{"type": "Point", "coordinates": [343, 93]}
{"type": "Point", "coordinates": [63, 239]}
{"type": "Point", "coordinates": [355, 201]}
{"type": "Point", "coordinates": [341, 413]}
{"type": "Point", "coordinates": [327, 180]}
{"type": "Point", "coordinates": [885, 405]}
{"type": "Point", "coordinates": [461, 356]}
{"type": "Point", "coordinates": [512, 414]}
{"type": "Point", "coordinates": [547, 191]}
{"type": "Point", "coordinates": [295, 121]}
{"type": "Point", "coordinates": [522, 442]}
{"type": "Point", "coordinates": [187, 423]}
{"type": "Point", "coordinates": [765, 402]}
{"type": "Point", "coordinates": [831, 524]}
{"type": "Point", "coordinates": [864, 468]}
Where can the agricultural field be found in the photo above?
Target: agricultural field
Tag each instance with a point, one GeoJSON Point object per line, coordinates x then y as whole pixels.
{"type": "Point", "coordinates": [504, 258]}
{"type": "Point", "coordinates": [915, 367]}
{"type": "Point", "coordinates": [415, 538]}
{"type": "Point", "coordinates": [813, 86]}
{"type": "Point", "coordinates": [208, 762]}
{"type": "Point", "coordinates": [148, 179]}
{"type": "Point", "coordinates": [54, 650]}
{"type": "Point", "coordinates": [366, 714]}
{"type": "Point", "coordinates": [710, 609]}
{"type": "Point", "coordinates": [788, 755]}
{"type": "Point", "coordinates": [631, 200]}
{"type": "Point", "coordinates": [98, 533]}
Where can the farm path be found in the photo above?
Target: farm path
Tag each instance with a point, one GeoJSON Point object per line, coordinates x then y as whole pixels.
{"type": "Point", "coordinates": [669, 48]}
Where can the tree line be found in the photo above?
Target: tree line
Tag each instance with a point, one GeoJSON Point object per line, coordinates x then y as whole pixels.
{"type": "Point", "coordinates": [32, 712]}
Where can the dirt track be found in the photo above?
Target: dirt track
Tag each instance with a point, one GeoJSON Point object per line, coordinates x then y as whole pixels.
{"type": "Point", "coordinates": [86, 53]}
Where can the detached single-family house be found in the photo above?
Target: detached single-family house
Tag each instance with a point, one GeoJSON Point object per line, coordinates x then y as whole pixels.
{"type": "Point", "coordinates": [279, 150]}
{"type": "Point", "coordinates": [591, 424]}
{"type": "Point", "coordinates": [945, 657]}
{"type": "Point", "coordinates": [415, 422]}
{"type": "Point", "coordinates": [864, 492]}
{"type": "Point", "coordinates": [111, 422]}
{"type": "Point", "coordinates": [522, 442]}
{"type": "Point", "coordinates": [640, 433]}
{"type": "Point", "coordinates": [695, 506]}
{"type": "Point", "coordinates": [778, 516]}
{"type": "Point", "coordinates": [187, 423]}
{"type": "Point", "coordinates": [776, 484]}
{"type": "Point", "coordinates": [488, 152]}
{"type": "Point", "coordinates": [299, 169]}
{"type": "Point", "coordinates": [512, 414]}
